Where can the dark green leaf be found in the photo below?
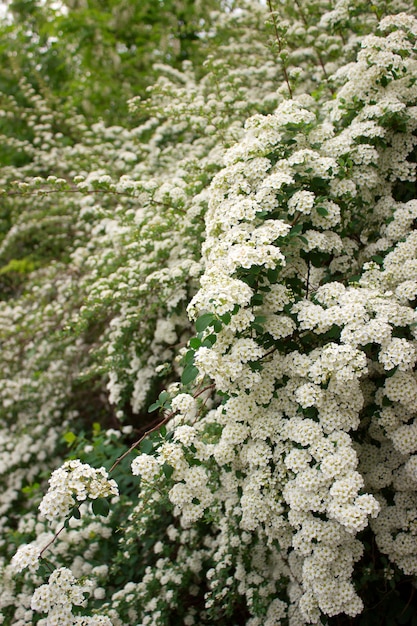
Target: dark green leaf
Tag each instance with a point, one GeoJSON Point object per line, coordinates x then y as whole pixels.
{"type": "Point", "coordinates": [272, 274]}
{"type": "Point", "coordinates": [189, 357]}
{"type": "Point", "coordinates": [296, 230]}
{"type": "Point", "coordinates": [195, 343]}
{"type": "Point", "coordinates": [217, 325]}
{"type": "Point", "coordinates": [226, 318]}
{"type": "Point", "coordinates": [209, 341]}
{"type": "Point", "coordinates": [75, 512]}
{"type": "Point", "coordinates": [257, 299]}
{"type": "Point", "coordinates": [168, 470]}
{"type": "Point", "coordinates": [101, 506]}
{"type": "Point", "coordinates": [204, 321]}
{"type": "Point", "coordinates": [378, 259]}
{"type": "Point", "coordinates": [189, 374]}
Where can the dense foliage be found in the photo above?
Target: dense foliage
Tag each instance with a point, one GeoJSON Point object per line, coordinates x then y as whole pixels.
{"type": "Point", "coordinates": [208, 334]}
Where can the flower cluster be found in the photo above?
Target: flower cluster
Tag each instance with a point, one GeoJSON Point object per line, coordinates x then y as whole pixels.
{"type": "Point", "coordinates": [58, 597]}
{"type": "Point", "coordinates": [72, 484]}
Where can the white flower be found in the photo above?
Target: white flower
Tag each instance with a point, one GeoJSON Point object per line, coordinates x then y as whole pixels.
{"type": "Point", "coordinates": [185, 404]}
{"type": "Point", "coordinates": [26, 556]}
{"type": "Point", "coordinates": [73, 483]}
{"type": "Point", "coordinates": [146, 466]}
{"type": "Point", "coordinates": [398, 352]}
{"type": "Point", "coordinates": [302, 201]}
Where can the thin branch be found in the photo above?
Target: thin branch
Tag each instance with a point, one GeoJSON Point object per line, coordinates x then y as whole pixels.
{"type": "Point", "coordinates": [305, 22]}
{"type": "Point", "coordinates": [212, 386]}
{"type": "Point", "coordinates": [147, 432]}
{"type": "Point", "coordinates": [163, 421]}
{"type": "Point", "coordinates": [268, 353]}
{"type": "Point", "coordinates": [42, 192]}
{"type": "Point", "coordinates": [51, 541]}
{"type": "Point", "coordinates": [280, 47]}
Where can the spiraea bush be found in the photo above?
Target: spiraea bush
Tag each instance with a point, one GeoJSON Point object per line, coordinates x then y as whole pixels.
{"type": "Point", "coordinates": [208, 333]}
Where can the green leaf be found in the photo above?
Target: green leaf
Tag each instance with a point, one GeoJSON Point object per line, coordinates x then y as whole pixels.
{"type": "Point", "coordinates": [204, 321]}
{"type": "Point", "coordinates": [321, 210]}
{"type": "Point", "coordinates": [101, 506]}
{"type": "Point", "coordinates": [163, 397]}
{"type": "Point", "coordinates": [195, 343]}
{"type": "Point", "coordinates": [257, 299]}
{"type": "Point", "coordinates": [378, 259]}
{"type": "Point", "coordinates": [43, 570]}
{"type": "Point", "coordinates": [188, 358]}
{"type": "Point", "coordinates": [209, 341]}
{"type": "Point", "coordinates": [272, 274]}
{"type": "Point", "coordinates": [30, 489]}
{"type": "Point", "coordinates": [168, 470]}
{"type": "Point", "coordinates": [69, 437]}
{"type": "Point", "coordinates": [146, 446]}
{"type": "Point", "coordinates": [75, 512]}
{"type": "Point", "coordinates": [154, 407]}
{"type": "Point", "coordinates": [189, 374]}
{"type": "Point", "coordinates": [296, 230]}
{"type": "Point", "coordinates": [217, 325]}
{"type": "Point", "coordinates": [226, 318]}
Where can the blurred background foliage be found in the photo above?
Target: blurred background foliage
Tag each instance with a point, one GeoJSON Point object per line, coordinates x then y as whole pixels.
{"type": "Point", "coordinates": [96, 54]}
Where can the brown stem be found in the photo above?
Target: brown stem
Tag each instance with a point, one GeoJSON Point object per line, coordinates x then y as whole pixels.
{"type": "Point", "coordinates": [278, 38]}
{"type": "Point", "coordinates": [296, 219]}
{"type": "Point", "coordinates": [162, 422]}
{"type": "Point", "coordinates": [268, 353]}
{"type": "Point", "coordinates": [38, 192]}
{"type": "Point", "coordinates": [203, 390]}
{"type": "Point", "coordinates": [308, 278]}
{"type": "Point", "coordinates": [305, 22]}
{"type": "Point", "coordinates": [51, 541]}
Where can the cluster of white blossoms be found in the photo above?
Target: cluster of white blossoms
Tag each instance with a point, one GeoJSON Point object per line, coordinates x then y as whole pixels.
{"type": "Point", "coordinates": [26, 556]}
{"type": "Point", "coordinates": [297, 482]}
{"type": "Point", "coordinates": [57, 598]}
{"type": "Point", "coordinates": [72, 484]}
{"type": "Point", "coordinates": [146, 466]}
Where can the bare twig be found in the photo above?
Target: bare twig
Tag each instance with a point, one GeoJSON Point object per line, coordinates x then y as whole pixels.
{"type": "Point", "coordinates": [162, 422]}
{"type": "Point", "coordinates": [147, 432]}
{"type": "Point", "coordinates": [51, 541]}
